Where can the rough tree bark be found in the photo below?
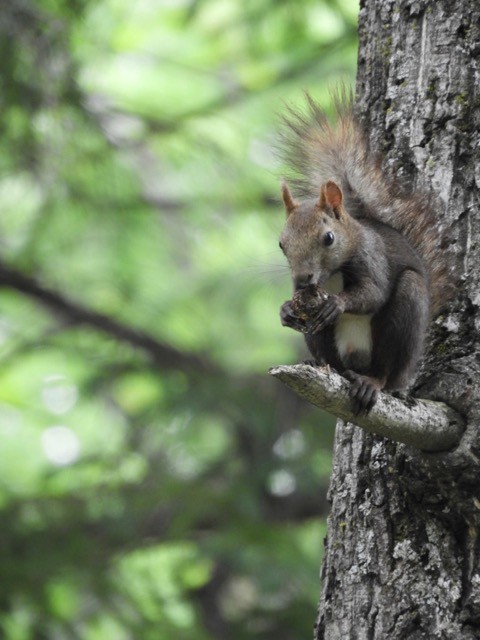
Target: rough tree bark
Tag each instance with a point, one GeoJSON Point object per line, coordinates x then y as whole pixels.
{"type": "Point", "coordinates": [402, 550]}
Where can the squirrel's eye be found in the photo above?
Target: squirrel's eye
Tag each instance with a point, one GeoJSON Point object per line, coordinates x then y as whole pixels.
{"type": "Point", "coordinates": [281, 247]}
{"type": "Point", "coordinates": [328, 238]}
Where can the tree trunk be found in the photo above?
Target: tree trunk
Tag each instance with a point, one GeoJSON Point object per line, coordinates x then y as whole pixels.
{"type": "Point", "coordinates": [402, 551]}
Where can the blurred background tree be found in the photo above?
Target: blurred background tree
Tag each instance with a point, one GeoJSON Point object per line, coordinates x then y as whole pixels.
{"type": "Point", "coordinates": [154, 482]}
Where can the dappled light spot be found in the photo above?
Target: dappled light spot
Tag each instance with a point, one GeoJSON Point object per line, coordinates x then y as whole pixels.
{"type": "Point", "coordinates": [290, 444]}
{"type": "Point", "coordinates": [58, 395]}
{"type": "Point", "coordinates": [282, 482]}
{"type": "Point", "coordinates": [60, 445]}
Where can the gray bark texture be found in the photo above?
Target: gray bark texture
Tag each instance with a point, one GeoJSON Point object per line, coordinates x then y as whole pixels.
{"type": "Point", "coordinates": [402, 549]}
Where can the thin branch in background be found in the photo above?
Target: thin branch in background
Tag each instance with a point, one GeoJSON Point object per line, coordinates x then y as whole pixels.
{"type": "Point", "coordinates": [163, 355]}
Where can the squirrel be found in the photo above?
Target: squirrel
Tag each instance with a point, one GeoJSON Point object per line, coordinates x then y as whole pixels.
{"type": "Point", "coordinates": [367, 262]}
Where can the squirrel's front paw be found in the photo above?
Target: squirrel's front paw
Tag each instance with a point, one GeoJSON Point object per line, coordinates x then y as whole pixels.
{"type": "Point", "coordinates": [331, 310]}
{"type": "Point", "coordinates": [289, 319]}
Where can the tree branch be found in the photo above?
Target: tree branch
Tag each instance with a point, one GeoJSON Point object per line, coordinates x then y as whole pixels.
{"type": "Point", "coordinates": [163, 355]}
{"type": "Point", "coordinates": [424, 424]}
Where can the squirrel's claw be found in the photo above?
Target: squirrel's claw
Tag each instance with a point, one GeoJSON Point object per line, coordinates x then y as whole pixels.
{"type": "Point", "coordinates": [289, 319]}
{"type": "Point", "coordinates": [330, 311]}
{"type": "Point", "coordinates": [363, 392]}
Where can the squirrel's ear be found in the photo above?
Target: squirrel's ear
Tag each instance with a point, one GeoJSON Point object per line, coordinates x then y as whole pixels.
{"type": "Point", "coordinates": [288, 201]}
{"type": "Point", "coordinates": [331, 195]}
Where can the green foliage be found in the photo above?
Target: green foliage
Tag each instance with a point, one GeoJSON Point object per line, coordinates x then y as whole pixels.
{"type": "Point", "coordinates": [154, 483]}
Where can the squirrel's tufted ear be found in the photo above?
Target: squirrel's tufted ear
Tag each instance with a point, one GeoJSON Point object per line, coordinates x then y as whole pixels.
{"type": "Point", "coordinates": [331, 195]}
{"type": "Point", "coordinates": [288, 201]}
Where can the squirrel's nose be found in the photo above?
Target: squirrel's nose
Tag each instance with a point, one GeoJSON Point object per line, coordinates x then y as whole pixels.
{"type": "Point", "coordinates": [303, 280]}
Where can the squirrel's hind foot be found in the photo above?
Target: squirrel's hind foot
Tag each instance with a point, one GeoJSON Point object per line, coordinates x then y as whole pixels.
{"type": "Point", "coordinates": [363, 392]}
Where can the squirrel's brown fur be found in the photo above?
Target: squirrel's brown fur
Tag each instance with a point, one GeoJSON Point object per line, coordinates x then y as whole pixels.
{"type": "Point", "coordinates": [317, 151]}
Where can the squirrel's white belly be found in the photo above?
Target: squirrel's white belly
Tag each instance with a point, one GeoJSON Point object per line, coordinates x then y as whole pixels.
{"type": "Point", "coordinates": [353, 333]}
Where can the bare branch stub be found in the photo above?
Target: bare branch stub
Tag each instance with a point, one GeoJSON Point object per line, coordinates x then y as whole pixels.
{"type": "Point", "coordinates": [423, 424]}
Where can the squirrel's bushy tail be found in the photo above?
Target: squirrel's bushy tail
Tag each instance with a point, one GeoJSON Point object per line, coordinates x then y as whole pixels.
{"type": "Point", "coordinates": [316, 151]}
